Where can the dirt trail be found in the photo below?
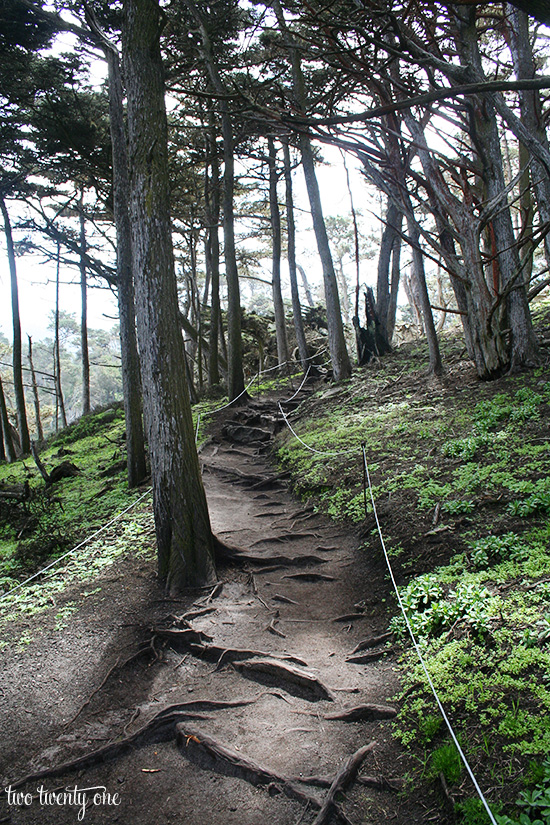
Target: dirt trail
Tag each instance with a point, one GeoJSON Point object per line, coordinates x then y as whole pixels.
{"type": "Point", "coordinates": [274, 637]}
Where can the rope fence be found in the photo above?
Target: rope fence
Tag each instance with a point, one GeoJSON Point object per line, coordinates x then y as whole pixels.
{"type": "Point", "coordinates": [368, 484]}
{"type": "Point", "coordinates": [78, 546]}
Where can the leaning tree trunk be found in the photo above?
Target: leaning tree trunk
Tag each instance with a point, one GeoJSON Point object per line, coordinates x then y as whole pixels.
{"type": "Point", "coordinates": [305, 284]}
{"type": "Point", "coordinates": [513, 292]}
{"type": "Point", "coordinates": [6, 429]}
{"type": "Point", "coordinates": [436, 367]}
{"type": "Point", "coordinates": [39, 428]}
{"type": "Point", "coordinates": [84, 314]}
{"type": "Point", "coordinates": [278, 306]}
{"type": "Point", "coordinates": [341, 364]}
{"type": "Point", "coordinates": [17, 351]}
{"type": "Point", "coordinates": [531, 113]}
{"type": "Point", "coordinates": [291, 252]}
{"type": "Point", "coordinates": [184, 535]}
{"type": "Point", "coordinates": [131, 374]}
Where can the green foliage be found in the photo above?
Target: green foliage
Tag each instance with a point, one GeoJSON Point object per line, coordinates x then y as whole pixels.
{"type": "Point", "coordinates": [445, 760]}
{"type": "Point", "coordinates": [431, 611]}
{"type": "Point", "coordinates": [534, 804]}
{"type": "Point", "coordinates": [472, 812]}
{"type": "Point", "coordinates": [487, 551]}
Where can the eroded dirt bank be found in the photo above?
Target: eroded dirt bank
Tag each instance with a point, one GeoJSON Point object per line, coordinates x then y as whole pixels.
{"type": "Point", "coordinates": [237, 705]}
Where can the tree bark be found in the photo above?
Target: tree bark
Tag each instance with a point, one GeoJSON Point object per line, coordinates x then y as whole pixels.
{"type": "Point", "coordinates": [6, 430]}
{"type": "Point", "coordinates": [436, 366]}
{"type": "Point", "coordinates": [59, 401]}
{"type": "Point", "coordinates": [278, 306]}
{"type": "Point", "coordinates": [523, 345]}
{"type": "Point", "coordinates": [213, 256]}
{"type": "Point", "coordinates": [341, 364]}
{"type": "Point", "coordinates": [17, 351]}
{"type": "Point", "coordinates": [291, 252]}
{"type": "Point", "coordinates": [531, 115]}
{"type": "Point", "coordinates": [184, 536]}
{"type": "Point", "coordinates": [386, 287]}
{"type": "Point", "coordinates": [235, 374]}
{"type": "Point", "coordinates": [131, 372]}
{"type": "Point", "coordinates": [84, 313]}
{"type": "Point", "coordinates": [39, 428]}
{"type": "Point", "coordinates": [305, 284]}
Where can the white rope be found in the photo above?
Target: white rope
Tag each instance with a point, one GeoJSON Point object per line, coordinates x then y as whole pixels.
{"type": "Point", "coordinates": [312, 449]}
{"type": "Point", "coordinates": [292, 397]}
{"type": "Point", "coordinates": [418, 652]}
{"type": "Point", "coordinates": [74, 549]}
{"type": "Point", "coordinates": [256, 376]}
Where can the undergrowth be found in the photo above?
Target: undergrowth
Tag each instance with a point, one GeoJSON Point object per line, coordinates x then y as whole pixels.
{"type": "Point", "coordinates": [461, 478]}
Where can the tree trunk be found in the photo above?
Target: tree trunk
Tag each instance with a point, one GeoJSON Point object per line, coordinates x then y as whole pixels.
{"type": "Point", "coordinates": [341, 364]}
{"type": "Point", "coordinates": [6, 429]}
{"type": "Point", "coordinates": [235, 374]}
{"type": "Point", "coordinates": [386, 289]}
{"type": "Point", "coordinates": [131, 373]}
{"type": "Point", "coordinates": [59, 401]}
{"type": "Point", "coordinates": [482, 326]}
{"type": "Point", "coordinates": [212, 205]}
{"type": "Point", "coordinates": [419, 274]}
{"type": "Point", "coordinates": [484, 129]}
{"type": "Point", "coordinates": [531, 113]}
{"type": "Point", "coordinates": [291, 252]}
{"type": "Point", "coordinates": [184, 536]}
{"type": "Point", "coordinates": [305, 284]}
{"type": "Point", "coordinates": [213, 255]}
{"type": "Point", "coordinates": [278, 306]}
{"type": "Point", "coordinates": [39, 428]}
{"type": "Point", "coordinates": [17, 352]}
{"type": "Point", "coordinates": [84, 313]}
{"type": "Point", "coordinates": [394, 285]}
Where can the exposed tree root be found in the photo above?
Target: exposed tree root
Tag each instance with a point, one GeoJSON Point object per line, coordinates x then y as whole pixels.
{"type": "Point", "coordinates": [272, 629]}
{"type": "Point", "coordinates": [93, 693]}
{"type": "Point", "coordinates": [310, 577]}
{"type": "Point", "coordinates": [364, 658]}
{"type": "Point", "coordinates": [161, 725]}
{"type": "Point", "coordinates": [191, 740]}
{"type": "Point", "coordinates": [183, 636]}
{"type": "Point", "coordinates": [225, 655]}
{"type": "Point", "coordinates": [366, 713]}
{"type": "Point", "coordinates": [350, 617]}
{"type": "Point", "coordinates": [283, 537]}
{"type": "Point", "coordinates": [278, 598]}
{"type": "Point", "coordinates": [374, 641]}
{"type": "Point", "coordinates": [282, 561]}
{"type": "Point", "coordinates": [342, 779]}
{"type": "Point", "coordinates": [290, 677]}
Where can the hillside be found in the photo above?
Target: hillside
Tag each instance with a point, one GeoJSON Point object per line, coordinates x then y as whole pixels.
{"type": "Point", "coordinates": [459, 472]}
